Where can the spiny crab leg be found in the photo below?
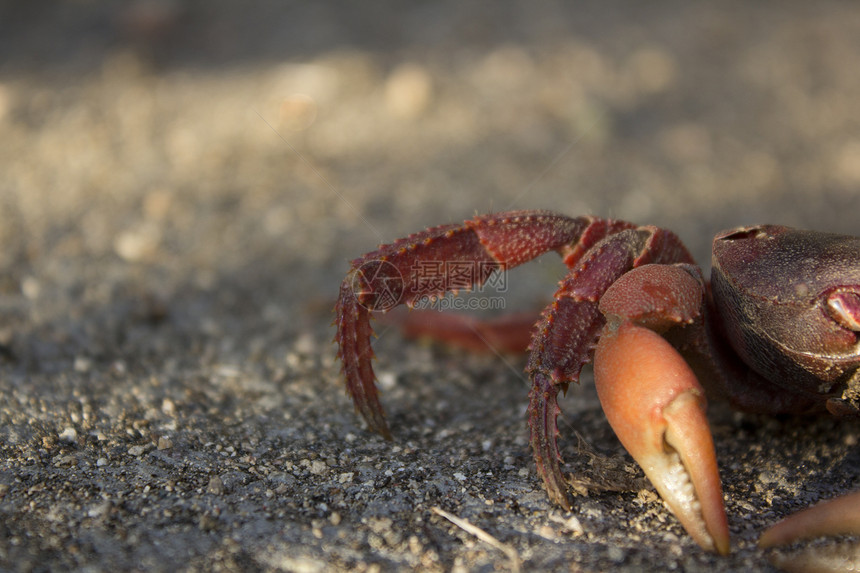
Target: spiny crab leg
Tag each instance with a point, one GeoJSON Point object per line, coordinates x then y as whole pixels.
{"type": "Point", "coordinates": [393, 275]}
{"type": "Point", "coordinates": [839, 516]}
{"type": "Point", "coordinates": [657, 409]}
{"type": "Point", "coordinates": [566, 335]}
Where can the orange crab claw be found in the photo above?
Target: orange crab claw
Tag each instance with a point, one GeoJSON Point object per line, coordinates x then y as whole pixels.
{"type": "Point", "coordinates": [657, 409]}
{"type": "Point", "coordinates": [839, 516]}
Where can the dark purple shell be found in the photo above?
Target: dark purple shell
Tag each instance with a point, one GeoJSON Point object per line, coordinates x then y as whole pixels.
{"type": "Point", "coordinates": [788, 300]}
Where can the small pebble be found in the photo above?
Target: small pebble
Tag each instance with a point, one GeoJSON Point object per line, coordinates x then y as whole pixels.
{"type": "Point", "coordinates": [137, 244]}
{"type": "Point", "coordinates": [215, 486]}
{"type": "Point", "coordinates": [82, 364]}
{"type": "Point", "coordinates": [168, 407]}
{"type": "Point", "coordinates": [136, 450]}
{"type": "Point", "coordinates": [69, 435]}
{"type": "Point", "coordinates": [547, 532]}
{"type": "Point", "coordinates": [318, 467]}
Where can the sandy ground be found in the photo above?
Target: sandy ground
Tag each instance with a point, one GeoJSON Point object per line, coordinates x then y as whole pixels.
{"type": "Point", "coordinates": [182, 185]}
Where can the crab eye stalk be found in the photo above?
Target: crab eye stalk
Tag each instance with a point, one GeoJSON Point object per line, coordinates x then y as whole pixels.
{"type": "Point", "coordinates": [844, 308]}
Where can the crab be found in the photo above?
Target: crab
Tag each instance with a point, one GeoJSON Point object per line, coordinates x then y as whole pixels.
{"type": "Point", "coordinates": [777, 330]}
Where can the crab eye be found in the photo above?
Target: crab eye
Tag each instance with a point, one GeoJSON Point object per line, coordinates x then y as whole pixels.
{"type": "Point", "coordinates": [746, 233]}
{"type": "Point", "coordinates": [844, 307]}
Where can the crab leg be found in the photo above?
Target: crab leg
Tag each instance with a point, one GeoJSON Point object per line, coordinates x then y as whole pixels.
{"type": "Point", "coordinates": [839, 516]}
{"type": "Point", "coordinates": [396, 274]}
{"type": "Point", "coordinates": [569, 328]}
{"type": "Point", "coordinates": [508, 333]}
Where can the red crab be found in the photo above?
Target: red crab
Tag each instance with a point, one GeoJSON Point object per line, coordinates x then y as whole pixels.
{"type": "Point", "coordinates": [661, 339]}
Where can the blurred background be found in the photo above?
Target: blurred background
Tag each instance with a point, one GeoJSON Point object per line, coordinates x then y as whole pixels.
{"type": "Point", "coordinates": [183, 183]}
{"type": "Point", "coordinates": [199, 139]}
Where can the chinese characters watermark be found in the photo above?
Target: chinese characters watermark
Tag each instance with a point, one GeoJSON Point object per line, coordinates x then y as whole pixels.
{"type": "Point", "coordinates": [380, 285]}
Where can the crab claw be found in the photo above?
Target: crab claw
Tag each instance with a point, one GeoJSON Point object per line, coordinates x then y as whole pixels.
{"type": "Point", "coordinates": [657, 409]}
{"type": "Point", "coordinates": [833, 517]}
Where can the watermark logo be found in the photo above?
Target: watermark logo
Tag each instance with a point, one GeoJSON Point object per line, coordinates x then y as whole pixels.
{"type": "Point", "coordinates": [465, 304]}
{"type": "Point", "coordinates": [380, 286]}
{"type": "Point", "coordinates": [377, 285]}
{"type": "Point", "coordinates": [443, 276]}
